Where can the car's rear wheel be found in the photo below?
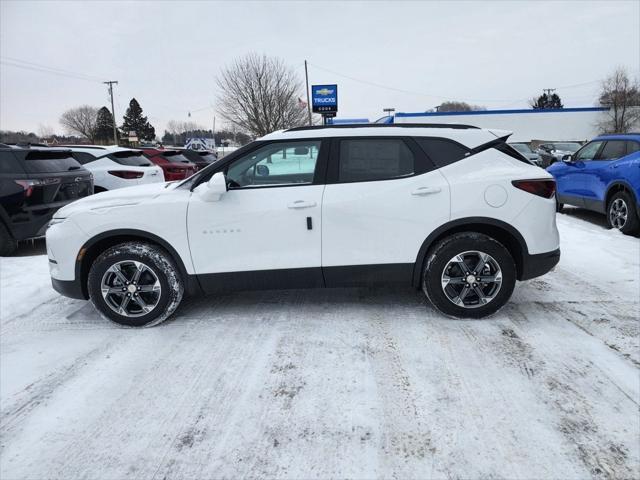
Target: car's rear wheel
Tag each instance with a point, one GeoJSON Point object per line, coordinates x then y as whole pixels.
{"type": "Point", "coordinates": [135, 284]}
{"type": "Point", "coordinates": [469, 275]}
{"type": "Point", "coordinates": [8, 244]}
{"type": "Point", "coordinates": [622, 213]}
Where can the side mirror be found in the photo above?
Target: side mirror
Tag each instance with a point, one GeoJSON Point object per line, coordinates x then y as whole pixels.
{"type": "Point", "coordinates": [214, 188]}
{"type": "Point", "coordinates": [301, 151]}
{"type": "Point", "coordinates": [262, 171]}
{"type": "Point", "coordinates": [567, 158]}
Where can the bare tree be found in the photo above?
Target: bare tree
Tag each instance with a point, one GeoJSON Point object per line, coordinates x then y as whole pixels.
{"type": "Point", "coordinates": [455, 106]}
{"type": "Point", "coordinates": [260, 94]}
{"type": "Point", "coordinates": [45, 131]}
{"type": "Point", "coordinates": [622, 95]}
{"type": "Point", "coordinates": [81, 120]}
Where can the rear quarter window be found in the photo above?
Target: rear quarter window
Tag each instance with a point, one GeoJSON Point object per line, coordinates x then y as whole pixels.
{"type": "Point", "coordinates": [442, 151]}
{"type": "Point", "coordinates": [9, 164]}
{"type": "Point", "coordinates": [632, 147]}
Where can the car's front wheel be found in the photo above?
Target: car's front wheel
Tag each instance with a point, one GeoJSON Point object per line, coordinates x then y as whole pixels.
{"type": "Point", "coordinates": [135, 284]}
{"type": "Point", "coordinates": [622, 214]}
{"type": "Point", "coordinates": [469, 275]}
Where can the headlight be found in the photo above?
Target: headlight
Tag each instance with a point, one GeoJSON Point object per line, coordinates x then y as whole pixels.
{"type": "Point", "coordinates": [55, 221]}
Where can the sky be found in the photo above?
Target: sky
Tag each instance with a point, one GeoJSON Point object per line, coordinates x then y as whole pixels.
{"type": "Point", "coordinates": [410, 56]}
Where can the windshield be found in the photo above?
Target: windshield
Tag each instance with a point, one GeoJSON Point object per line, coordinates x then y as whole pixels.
{"type": "Point", "coordinates": [38, 161]}
{"type": "Point", "coordinates": [521, 147]}
{"type": "Point", "coordinates": [131, 158]}
{"type": "Point", "coordinates": [567, 147]}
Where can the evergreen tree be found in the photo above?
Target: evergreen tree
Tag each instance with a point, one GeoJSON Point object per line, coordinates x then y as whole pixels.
{"type": "Point", "coordinates": [104, 126]}
{"type": "Point", "coordinates": [546, 101]}
{"type": "Point", "coordinates": [134, 121]}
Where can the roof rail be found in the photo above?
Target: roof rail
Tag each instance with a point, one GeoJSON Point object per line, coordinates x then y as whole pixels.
{"type": "Point", "coordinates": [457, 126]}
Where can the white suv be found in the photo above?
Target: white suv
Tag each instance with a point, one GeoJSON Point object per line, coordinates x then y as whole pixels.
{"type": "Point", "coordinates": [448, 208]}
{"type": "Point", "coordinates": [116, 167]}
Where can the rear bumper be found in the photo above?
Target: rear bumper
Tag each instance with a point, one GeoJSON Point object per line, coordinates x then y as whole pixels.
{"type": "Point", "coordinates": [68, 288]}
{"type": "Point", "coordinates": [536, 265]}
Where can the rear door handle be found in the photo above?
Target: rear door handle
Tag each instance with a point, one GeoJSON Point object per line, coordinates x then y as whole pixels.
{"type": "Point", "coordinates": [301, 204]}
{"type": "Point", "coordinates": [426, 191]}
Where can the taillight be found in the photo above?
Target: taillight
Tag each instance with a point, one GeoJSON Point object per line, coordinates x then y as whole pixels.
{"type": "Point", "coordinates": [29, 184]}
{"type": "Point", "coordinates": [129, 175]}
{"type": "Point", "coordinates": [543, 188]}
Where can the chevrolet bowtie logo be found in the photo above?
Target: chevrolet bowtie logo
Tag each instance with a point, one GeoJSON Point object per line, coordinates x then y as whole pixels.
{"type": "Point", "coordinates": [324, 91]}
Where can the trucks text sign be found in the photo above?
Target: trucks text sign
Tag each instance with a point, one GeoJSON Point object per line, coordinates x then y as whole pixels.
{"type": "Point", "coordinates": [324, 98]}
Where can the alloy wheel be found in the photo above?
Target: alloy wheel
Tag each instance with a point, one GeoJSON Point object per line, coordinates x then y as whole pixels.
{"type": "Point", "coordinates": [131, 288]}
{"type": "Point", "coordinates": [618, 213]}
{"type": "Point", "coordinates": [471, 279]}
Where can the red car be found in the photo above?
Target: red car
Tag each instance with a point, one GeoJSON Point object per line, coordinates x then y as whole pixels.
{"type": "Point", "coordinates": [174, 165]}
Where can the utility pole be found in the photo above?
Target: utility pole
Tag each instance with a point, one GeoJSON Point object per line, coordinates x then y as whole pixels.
{"type": "Point", "coordinates": [306, 76]}
{"type": "Point", "coordinates": [113, 113]}
{"type": "Point", "coordinates": [389, 111]}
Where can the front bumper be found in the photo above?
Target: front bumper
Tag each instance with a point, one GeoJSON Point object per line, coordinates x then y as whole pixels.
{"type": "Point", "coordinates": [536, 265]}
{"type": "Point", "coordinates": [68, 288]}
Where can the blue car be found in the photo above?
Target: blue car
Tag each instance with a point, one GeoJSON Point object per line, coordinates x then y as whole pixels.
{"type": "Point", "coordinates": [604, 176]}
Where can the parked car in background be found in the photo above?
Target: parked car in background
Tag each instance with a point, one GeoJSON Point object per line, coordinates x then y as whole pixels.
{"type": "Point", "coordinates": [553, 152]}
{"type": "Point", "coordinates": [201, 158]}
{"type": "Point", "coordinates": [116, 167]}
{"type": "Point", "coordinates": [603, 176]}
{"type": "Point", "coordinates": [173, 163]}
{"type": "Point", "coordinates": [450, 209]}
{"type": "Point", "coordinates": [34, 183]}
{"type": "Point", "coordinates": [527, 153]}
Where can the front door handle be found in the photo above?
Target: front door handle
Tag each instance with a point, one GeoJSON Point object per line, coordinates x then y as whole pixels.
{"type": "Point", "coordinates": [301, 204]}
{"type": "Point", "coordinates": [426, 191]}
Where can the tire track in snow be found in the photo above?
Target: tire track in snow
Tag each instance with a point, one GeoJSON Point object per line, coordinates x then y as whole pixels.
{"type": "Point", "coordinates": [564, 387]}
{"type": "Point", "coordinates": [41, 391]}
{"type": "Point", "coordinates": [406, 437]}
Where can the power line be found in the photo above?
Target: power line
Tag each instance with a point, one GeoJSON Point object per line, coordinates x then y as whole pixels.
{"type": "Point", "coordinates": [14, 62]}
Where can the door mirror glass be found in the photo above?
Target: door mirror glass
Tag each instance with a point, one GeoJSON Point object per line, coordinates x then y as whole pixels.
{"type": "Point", "coordinates": [301, 151]}
{"type": "Point", "coordinates": [262, 170]}
{"type": "Point", "coordinates": [567, 158]}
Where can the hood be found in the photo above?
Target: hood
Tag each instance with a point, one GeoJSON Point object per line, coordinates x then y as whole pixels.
{"type": "Point", "coordinates": [114, 198]}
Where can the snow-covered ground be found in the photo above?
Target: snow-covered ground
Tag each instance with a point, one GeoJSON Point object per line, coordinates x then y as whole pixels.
{"type": "Point", "coordinates": [351, 383]}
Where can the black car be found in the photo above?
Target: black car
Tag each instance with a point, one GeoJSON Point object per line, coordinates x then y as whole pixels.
{"type": "Point", "coordinates": [34, 183]}
{"type": "Point", "coordinates": [202, 158]}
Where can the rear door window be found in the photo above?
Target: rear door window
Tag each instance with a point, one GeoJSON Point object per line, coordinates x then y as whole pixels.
{"type": "Point", "coordinates": [42, 161]}
{"type": "Point", "coordinates": [9, 164]}
{"type": "Point", "coordinates": [130, 159]}
{"type": "Point", "coordinates": [441, 151]}
{"type": "Point", "coordinates": [613, 150]}
{"type": "Point", "coordinates": [364, 160]}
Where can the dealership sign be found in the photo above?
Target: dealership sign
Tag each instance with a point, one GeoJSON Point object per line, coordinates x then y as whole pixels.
{"type": "Point", "coordinates": [324, 99]}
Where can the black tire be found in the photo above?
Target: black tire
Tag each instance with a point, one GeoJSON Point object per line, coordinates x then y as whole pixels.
{"type": "Point", "coordinates": [8, 244]}
{"type": "Point", "coordinates": [158, 264]}
{"type": "Point", "coordinates": [438, 259]}
{"type": "Point", "coordinates": [632, 223]}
